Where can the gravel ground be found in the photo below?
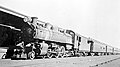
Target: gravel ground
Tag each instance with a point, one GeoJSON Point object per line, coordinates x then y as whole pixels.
{"type": "Point", "coordinates": [88, 61]}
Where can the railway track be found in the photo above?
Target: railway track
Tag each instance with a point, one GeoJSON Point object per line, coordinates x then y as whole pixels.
{"type": "Point", "coordinates": [88, 61]}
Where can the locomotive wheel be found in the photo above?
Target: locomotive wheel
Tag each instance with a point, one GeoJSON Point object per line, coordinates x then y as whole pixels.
{"type": "Point", "coordinates": [62, 56]}
{"type": "Point", "coordinates": [49, 55]}
{"type": "Point", "coordinates": [58, 55]}
{"type": "Point", "coordinates": [63, 51]}
{"type": "Point", "coordinates": [92, 54]}
{"type": "Point", "coordinates": [31, 55]}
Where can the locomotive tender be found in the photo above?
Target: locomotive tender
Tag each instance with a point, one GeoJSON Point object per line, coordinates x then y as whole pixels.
{"type": "Point", "coordinates": [27, 37]}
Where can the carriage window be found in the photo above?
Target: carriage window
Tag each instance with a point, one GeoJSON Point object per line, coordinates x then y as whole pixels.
{"type": "Point", "coordinates": [51, 28]}
{"type": "Point", "coordinates": [46, 25]}
{"type": "Point", "coordinates": [79, 39]}
{"type": "Point", "coordinates": [62, 31]}
{"type": "Point", "coordinates": [71, 33]}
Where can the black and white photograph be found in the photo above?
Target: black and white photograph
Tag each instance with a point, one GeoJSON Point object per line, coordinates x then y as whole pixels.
{"type": "Point", "coordinates": [59, 33]}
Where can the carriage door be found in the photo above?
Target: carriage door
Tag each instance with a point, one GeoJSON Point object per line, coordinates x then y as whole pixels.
{"type": "Point", "coordinates": [91, 45]}
{"type": "Point", "coordinates": [76, 42]}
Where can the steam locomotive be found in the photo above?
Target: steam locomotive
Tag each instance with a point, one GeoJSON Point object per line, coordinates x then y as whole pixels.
{"type": "Point", "coordinates": [29, 38]}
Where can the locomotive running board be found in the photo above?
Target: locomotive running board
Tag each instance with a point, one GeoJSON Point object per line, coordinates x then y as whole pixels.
{"type": "Point", "coordinates": [11, 27]}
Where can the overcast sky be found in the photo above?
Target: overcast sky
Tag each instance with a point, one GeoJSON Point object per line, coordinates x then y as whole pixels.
{"type": "Point", "coordinates": [98, 19]}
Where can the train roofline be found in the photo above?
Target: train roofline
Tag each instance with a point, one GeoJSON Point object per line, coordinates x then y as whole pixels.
{"type": "Point", "coordinates": [12, 12]}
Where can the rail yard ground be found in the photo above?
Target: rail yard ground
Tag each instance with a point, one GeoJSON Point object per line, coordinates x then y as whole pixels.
{"type": "Point", "coordinates": [115, 63]}
{"type": "Point", "coordinates": [88, 61]}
